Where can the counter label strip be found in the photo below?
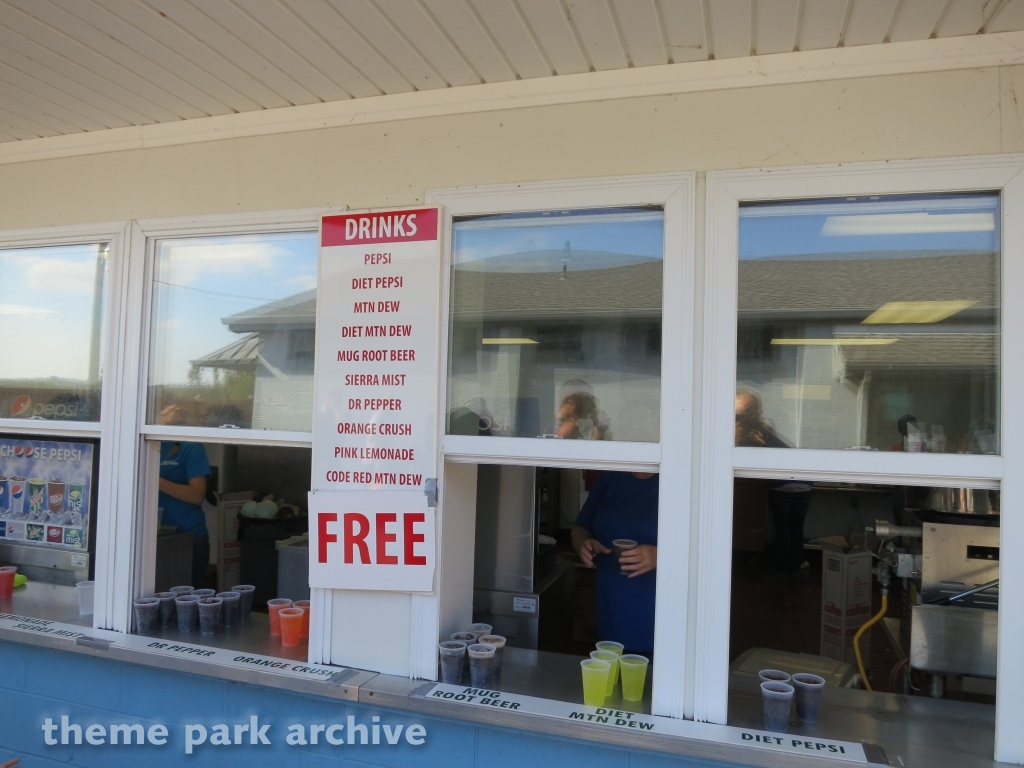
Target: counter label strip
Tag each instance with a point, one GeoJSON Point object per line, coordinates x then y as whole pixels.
{"type": "Point", "coordinates": [845, 751]}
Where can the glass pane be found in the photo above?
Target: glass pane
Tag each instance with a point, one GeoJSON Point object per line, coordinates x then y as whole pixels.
{"type": "Point", "coordinates": [51, 323]}
{"type": "Point", "coordinates": [556, 325]}
{"type": "Point", "coordinates": [233, 325]}
{"type": "Point", "coordinates": [870, 323]}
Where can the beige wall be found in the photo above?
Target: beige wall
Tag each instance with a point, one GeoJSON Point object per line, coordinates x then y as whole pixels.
{"type": "Point", "coordinates": [909, 116]}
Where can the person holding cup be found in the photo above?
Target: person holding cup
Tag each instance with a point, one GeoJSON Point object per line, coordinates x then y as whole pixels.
{"type": "Point", "coordinates": [622, 507]}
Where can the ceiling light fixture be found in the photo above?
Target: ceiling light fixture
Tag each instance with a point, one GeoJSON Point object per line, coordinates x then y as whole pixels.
{"type": "Point", "coordinates": [869, 341]}
{"type": "Point", "coordinates": [900, 312]}
{"type": "Point", "coordinates": [508, 341]}
{"type": "Point", "coordinates": [917, 223]}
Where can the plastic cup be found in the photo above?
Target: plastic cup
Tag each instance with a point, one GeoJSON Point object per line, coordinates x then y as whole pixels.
{"type": "Point", "coordinates": [481, 664]}
{"type": "Point", "coordinates": [304, 605]}
{"type": "Point", "coordinates": [499, 651]}
{"type": "Point", "coordinates": [595, 681]}
{"type": "Point", "coordinates": [166, 607]}
{"type": "Point", "coordinates": [613, 674]}
{"type": "Point", "coordinates": [466, 637]}
{"type": "Point", "coordinates": [453, 660]}
{"type": "Point", "coordinates": [181, 590]}
{"type": "Point", "coordinates": [187, 609]}
{"type": "Point", "coordinates": [7, 574]}
{"type": "Point", "coordinates": [633, 669]}
{"type": "Point", "coordinates": [611, 645]}
{"type": "Point", "coordinates": [777, 699]}
{"type": "Point", "coordinates": [229, 610]}
{"type": "Point", "coordinates": [620, 546]}
{"type": "Point", "coordinates": [480, 629]}
{"type": "Point", "coordinates": [245, 602]}
{"type": "Point", "coordinates": [204, 592]}
{"type": "Point", "coordinates": [773, 676]}
{"type": "Point", "coordinates": [290, 620]}
{"type": "Point", "coordinates": [147, 615]}
{"type": "Point", "coordinates": [273, 606]}
{"type": "Point", "coordinates": [809, 690]}
{"type": "Point", "coordinates": [86, 591]}
{"type": "Point", "coordinates": [209, 614]}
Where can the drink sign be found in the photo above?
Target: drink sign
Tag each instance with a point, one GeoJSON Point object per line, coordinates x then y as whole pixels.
{"type": "Point", "coordinates": [374, 434]}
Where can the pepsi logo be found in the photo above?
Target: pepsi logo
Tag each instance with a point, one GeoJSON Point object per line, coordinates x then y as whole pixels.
{"type": "Point", "coordinates": [19, 451]}
{"type": "Point", "coordinates": [21, 405]}
{"type": "Point", "coordinates": [16, 489]}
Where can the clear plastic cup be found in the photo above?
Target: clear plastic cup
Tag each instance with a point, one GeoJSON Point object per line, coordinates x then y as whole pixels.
{"type": "Point", "coordinates": [229, 612]}
{"type": "Point", "coordinates": [466, 637]}
{"type": "Point", "coordinates": [777, 698]}
{"type": "Point", "coordinates": [181, 590]}
{"type": "Point", "coordinates": [499, 651]}
{"type": "Point", "coordinates": [166, 608]}
{"type": "Point", "coordinates": [611, 645]}
{"type": "Point", "coordinates": [480, 629]}
{"type": "Point", "coordinates": [809, 690]}
{"type": "Point", "coordinates": [86, 593]}
{"type": "Point", "coordinates": [304, 605]}
{"type": "Point", "coordinates": [245, 602]}
{"type": "Point", "coordinates": [187, 609]}
{"type": "Point", "coordinates": [204, 592]}
{"type": "Point", "coordinates": [481, 664]}
{"type": "Point", "coordinates": [291, 625]}
{"type": "Point", "coordinates": [773, 676]}
{"type": "Point", "coordinates": [595, 681]}
{"type": "Point", "coordinates": [209, 614]}
{"type": "Point", "coordinates": [613, 674]}
{"type": "Point", "coordinates": [273, 607]}
{"type": "Point", "coordinates": [147, 615]}
{"type": "Point", "coordinates": [620, 546]}
{"type": "Point", "coordinates": [7, 574]}
{"type": "Point", "coordinates": [453, 660]}
{"type": "Point", "coordinates": [633, 669]}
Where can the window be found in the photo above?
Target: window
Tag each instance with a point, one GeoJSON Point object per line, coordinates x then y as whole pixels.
{"type": "Point", "coordinates": [233, 320]}
{"type": "Point", "coordinates": [52, 310]}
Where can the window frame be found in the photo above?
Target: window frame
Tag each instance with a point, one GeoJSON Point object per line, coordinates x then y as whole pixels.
{"type": "Point", "coordinates": [676, 192]}
{"type": "Point", "coordinates": [722, 461]}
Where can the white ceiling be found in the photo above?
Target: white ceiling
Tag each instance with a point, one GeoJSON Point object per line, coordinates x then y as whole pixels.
{"type": "Point", "coordinates": [68, 66]}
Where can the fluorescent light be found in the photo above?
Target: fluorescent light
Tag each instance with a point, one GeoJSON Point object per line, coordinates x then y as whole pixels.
{"type": "Point", "coordinates": [920, 222]}
{"type": "Point", "coordinates": [868, 341]}
{"type": "Point", "coordinates": [897, 312]}
{"type": "Point", "coordinates": [509, 341]}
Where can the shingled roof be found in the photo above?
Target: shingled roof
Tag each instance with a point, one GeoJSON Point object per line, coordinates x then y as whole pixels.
{"type": "Point", "coordinates": [296, 311]}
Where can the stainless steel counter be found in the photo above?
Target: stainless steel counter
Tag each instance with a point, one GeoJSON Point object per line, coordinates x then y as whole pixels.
{"type": "Point", "coordinates": [54, 602]}
{"type": "Point", "coordinates": [249, 636]}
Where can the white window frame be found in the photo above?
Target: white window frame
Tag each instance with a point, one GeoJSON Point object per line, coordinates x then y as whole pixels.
{"type": "Point", "coordinates": [670, 456]}
{"type": "Point", "coordinates": [722, 461]}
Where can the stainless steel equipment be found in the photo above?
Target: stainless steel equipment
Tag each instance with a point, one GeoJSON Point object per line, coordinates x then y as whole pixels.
{"type": "Point", "coordinates": [963, 501]}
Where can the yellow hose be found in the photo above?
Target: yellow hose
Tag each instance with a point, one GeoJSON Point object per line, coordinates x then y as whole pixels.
{"type": "Point", "coordinates": [856, 638]}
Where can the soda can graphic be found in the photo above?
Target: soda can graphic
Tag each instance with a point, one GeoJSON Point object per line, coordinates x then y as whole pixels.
{"type": "Point", "coordinates": [16, 487]}
{"type": "Point", "coordinates": [74, 537]}
{"type": "Point", "coordinates": [76, 498]}
{"type": "Point", "coordinates": [36, 498]}
{"type": "Point", "coordinates": [55, 490]}
{"type": "Point", "coordinates": [15, 530]}
{"type": "Point", "coordinates": [35, 532]}
{"type": "Point", "coordinates": [5, 493]}
{"type": "Point", "coordinates": [54, 534]}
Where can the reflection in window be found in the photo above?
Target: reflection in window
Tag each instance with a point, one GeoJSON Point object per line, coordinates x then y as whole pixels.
{"type": "Point", "coordinates": [233, 325]}
{"type": "Point", "coordinates": [556, 325]}
{"type": "Point", "coordinates": [870, 323]}
{"type": "Point", "coordinates": [51, 322]}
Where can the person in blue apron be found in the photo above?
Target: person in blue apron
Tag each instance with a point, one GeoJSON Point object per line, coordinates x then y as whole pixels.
{"type": "Point", "coordinates": [184, 469]}
{"type": "Point", "coordinates": [622, 505]}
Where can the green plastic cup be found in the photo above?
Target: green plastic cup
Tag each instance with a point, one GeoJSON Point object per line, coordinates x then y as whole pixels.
{"type": "Point", "coordinates": [595, 681]}
{"type": "Point", "coordinates": [634, 675]}
{"type": "Point", "coordinates": [613, 674]}
{"type": "Point", "coordinates": [610, 645]}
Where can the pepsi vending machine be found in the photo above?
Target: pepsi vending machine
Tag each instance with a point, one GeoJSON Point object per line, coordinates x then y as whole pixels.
{"type": "Point", "coordinates": [48, 503]}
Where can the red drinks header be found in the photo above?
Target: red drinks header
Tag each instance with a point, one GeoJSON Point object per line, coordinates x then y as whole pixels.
{"type": "Point", "coordinates": [384, 227]}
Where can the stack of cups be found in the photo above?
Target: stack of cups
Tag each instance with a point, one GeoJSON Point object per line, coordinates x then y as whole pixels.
{"type": "Point", "coordinates": [187, 608]}
{"type": "Point", "coordinates": [166, 608]}
{"type": "Point", "coordinates": [776, 699]}
{"type": "Point", "coordinates": [230, 610]}
{"type": "Point", "coordinates": [245, 601]}
{"type": "Point", "coordinates": [274, 607]}
{"type": "Point", "coordinates": [86, 593]}
{"type": "Point", "coordinates": [481, 664]}
{"type": "Point", "coordinates": [453, 660]}
{"type": "Point", "coordinates": [304, 605]}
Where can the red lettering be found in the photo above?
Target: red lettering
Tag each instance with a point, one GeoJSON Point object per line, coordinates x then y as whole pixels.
{"type": "Point", "coordinates": [353, 539]}
{"type": "Point", "coordinates": [384, 538]}
{"type": "Point", "coordinates": [409, 519]}
{"type": "Point", "coordinates": [323, 537]}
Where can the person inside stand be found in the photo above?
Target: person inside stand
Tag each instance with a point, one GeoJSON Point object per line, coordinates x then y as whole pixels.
{"type": "Point", "coordinates": [788, 500]}
{"type": "Point", "coordinates": [622, 505]}
{"type": "Point", "coordinates": [184, 469]}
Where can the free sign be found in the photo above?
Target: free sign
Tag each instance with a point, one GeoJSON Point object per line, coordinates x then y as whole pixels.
{"type": "Point", "coordinates": [376, 540]}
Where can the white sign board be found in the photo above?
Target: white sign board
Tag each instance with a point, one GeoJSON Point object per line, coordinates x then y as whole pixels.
{"type": "Point", "coordinates": [375, 430]}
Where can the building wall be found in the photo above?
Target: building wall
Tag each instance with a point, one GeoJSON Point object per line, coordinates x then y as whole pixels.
{"type": "Point", "coordinates": [38, 683]}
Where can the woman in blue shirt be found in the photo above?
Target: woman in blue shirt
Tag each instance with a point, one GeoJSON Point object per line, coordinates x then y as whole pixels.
{"type": "Point", "coordinates": [622, 505]}
{"type": "Point", "coordinates": [184, 468]}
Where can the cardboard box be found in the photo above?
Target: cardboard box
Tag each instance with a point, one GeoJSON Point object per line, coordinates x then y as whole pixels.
{"type": "Point", "coordinates": [845, 600]}
{"type": "Point", "coordinates": [229, 559]}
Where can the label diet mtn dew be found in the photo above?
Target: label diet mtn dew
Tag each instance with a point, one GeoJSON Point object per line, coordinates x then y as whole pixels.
{"type": "Point", "coordinates": [37, 497]}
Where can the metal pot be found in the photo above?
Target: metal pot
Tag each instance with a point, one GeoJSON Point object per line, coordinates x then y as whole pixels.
{"type": "Point", "coordinates": [961, 501]}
